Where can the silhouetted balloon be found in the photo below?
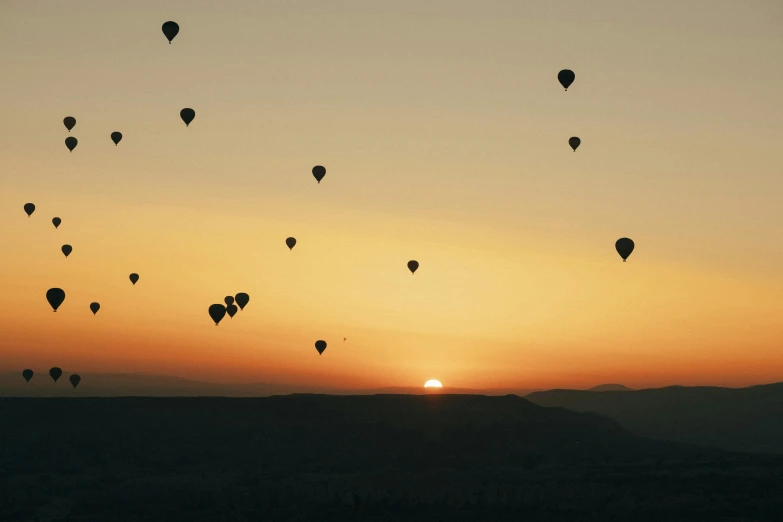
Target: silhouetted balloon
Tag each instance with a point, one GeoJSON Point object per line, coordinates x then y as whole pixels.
{"type": "Point", "coordinates": [56, 222]}
{"type": "Point", "coordinates": [413, 266]}
{"type": "Point", "coordinates": [133, 278]}
{"type": "Point", "coordinates": [231, 310]}
{"type": "Point", "coordinates": [574, 142]}
{"type": "Point", "coordinates": [55, 296]}
{"type": "Point", "coordinates": [624, 247]}
{"type": "Point", "coordinates": [29, 208]}
{"type": "Point", "coordinates": [291, 242]}
{"type": "Point", "coordinates": [69, 122]}
{"type": "Point", "coordinates": [187, 116]}
{"type": "Point", "coordinates": [217, 312]}
{"type": "Point", "coordinates": [55, 373]}
{"type": "Point", "coordinates": [75, 380]}
{"type": "Point", "coordinates": [242, 299]}
{"type": "Point", "coordinates": [566, 77]}
{"type": "Point", "coordinates": [116, 137]}
{"type": "Point", "coordinates": [170, 30]}
{"type": "Point", "coordinates": [319, 172]}
{"type": "Point", "coordinates": [320, 346]}
{"type": "Point", "coordinates": [71, 143]}
{"type": "Point", "coordinates": [27, 374]}
{"type": "Point", "coordinates": [95, 307]}
{"type": "Point", "coordinates": [229, 300]}
{"type": "Point", "coordinates": [67, 249]}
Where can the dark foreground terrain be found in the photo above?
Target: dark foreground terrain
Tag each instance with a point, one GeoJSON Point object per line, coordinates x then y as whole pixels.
{"type": "Point", "coordinates": [383, 457]}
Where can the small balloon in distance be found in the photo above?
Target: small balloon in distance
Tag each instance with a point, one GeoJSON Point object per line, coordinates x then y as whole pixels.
{"type": "Point", "coordinates": [242, 299]}
{"type": "Point", "coordinates": [170, 30]}
{"type": "Point", "coordinates": [566, 77]}
{"type": "Point", "coordinates": [67, 249]}
{"type": "Point", "coordinates": [55, 373]}
{"type": "Point", "coordinates": [133, 278]}
{"type": "Point", "coordinates": [624, 247]}
{"type": "Point", "coordinates": [116, 137]}
{"type": "Point", "coordinates": [55, 296]}
{"type": "Point", "coordinates": [75, 380]}
{"type": "Point", "coordinates": [69, 122]}
{"type": "Point", "coordinates": [71, 143]}
{"type": "Point", "coordinates": [413, 266]}
{"type": "Point", "coordinates": [290, 243]}
{"type": "Point", "coordinates": [574, 142]}
{"type": "Point", "coordinates": [95, 307]}
{"type": "Point", "coordinates": [56, 222]}
{"type": "Point", "coordinates": [229, 300]}
{"type": "Point", "coordinates": [187, 116]}
{"type": "Point", "coordinates": [27, 374]}
{"type": "Point", "coordinates": [29, 208]}
{"type": "Point", "coordinates": [217, 312]}
{"type": "Point", "coordinates": [320, 346]}
{"type": "Point", "coordinates": [319, 172]}
{"type": "Point", "coordinates": [231, 310]}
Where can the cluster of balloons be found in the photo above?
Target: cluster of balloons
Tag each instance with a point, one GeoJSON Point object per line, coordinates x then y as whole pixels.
{"type": "Point", "coordinates": [566, 78]}
{"type": "Point", "coordinates": [218, 311]}
{"type": "Point", "coordinates": [55, 373]}
{"type": "Point", "coordinates": [56, 297]}
{"type": "Point", "coordinates": [71, 142]}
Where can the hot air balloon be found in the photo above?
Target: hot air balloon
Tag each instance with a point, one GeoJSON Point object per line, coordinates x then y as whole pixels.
{"type": "Point", "coordinates": [67, 249]}
{"type": "Point", "coordinates": [116, 137]}
{"type": "Point", "coordinates": [290, 242]}
{"type": "Point", "coordinates": [231, 310]}
{"type": "Point", "coordinates": [133, 278]}
{"type": "Point", "coordinates": [55, 373]}
{"type": "Point", "coordinates": [69, 122]}
{"type": "Point", "coordinates": [320, 346]}
{"type": "Point", "coordinates": [319, 172]}
{"type": "Point", "coordinates": [413, 266]}
{"type": "Point", "coordinates": [71, 143]}
{"type": "Point", "coordinates": [29, 208]}
{"type": "Point", "coordinates": [574, 142]}
{"type": "Point", "coordinates": [187, 116]}
{"type": "Point", "coordinates": [170, 30]}
{"type": "Point", "coordinates": [75, 380]}
{"type": "Point", "coordinates": [27, 374]}
{"type": "Point", "coordinates": [95, 307]}
{"type": "Point", "coordinates": [566, 78]}
{"type": "Point", "coordinates": [229, 300]}
{"type": "Point", "coordinates": [624, 247]}
{"type": "Point", "coordinates": [217, 312]}
{"type": "Point", "coordinates": [55, 296]}
{"type": "Point", "coordinates": [56, 222]}
{"type": "Point", "coordinates": [242, 299]}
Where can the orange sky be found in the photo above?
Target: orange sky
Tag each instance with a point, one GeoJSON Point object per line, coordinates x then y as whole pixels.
{"type": "Point", "coordinates": [444, 133]}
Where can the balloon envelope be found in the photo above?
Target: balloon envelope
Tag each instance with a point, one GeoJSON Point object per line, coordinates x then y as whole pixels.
{"type": "Point", "coordinates": [217, 312]}
{"type": "Point", "coordinates": [29, 208]}
{"type": "Point", "coordinates": [170, 30]}
{"type": "Point", "coordinates": [55, 373]}
{"type": "Point", "coordinates": [574, 142]}
{"type": "Point", "coordinates": [71, 143]}
{"type": "Point", "coordinates": [187, 115]}
{"type": "Point", "coordinates": [231, 310]}
{"type": "Point", "coordinates": [95, 307]}
{"type": "Point", "coordinates": [319, 172]}
{"type": "Point", "coordinates": [413, 266]}
{"type": "Point", "coordinates": [116, 137]}
{"type": "Point", "coordinates": [55, 296]}
{"type": "Point", "coordinates": [69, 122]}
{"type": "Point", "coordinates": [67, 249]}
{"type": "Point", "coordinates": [242, 299]}
{"type": "Point", "coordinates": [75, 380]}
{"type": "Point", "coordinates": [27, 374]}
{"type": "Point", "coordinates": [566, 77]}
{"type": "Point", "coordinates": [133, 278]}
{"type": "Point", "coordinates": [320, 346]}
{"type": "Point", "coordinates": [229, 300]}
{"type": "Point", "coordinates": [624, 247]}
{"type": "Point", "coordinates": [291, 242]}
{"type": "Point", "coordinates": [56, 222]}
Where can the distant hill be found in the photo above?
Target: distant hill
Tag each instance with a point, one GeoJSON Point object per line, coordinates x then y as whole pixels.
{"type": "Point", "coordinates": [384, 457]}
{"type": "Point", "coordinates": [150, 385]}
{"type": "Point", "coordinates": [609, 387]}
{"type": "Point", "coordinates": [741, 419]}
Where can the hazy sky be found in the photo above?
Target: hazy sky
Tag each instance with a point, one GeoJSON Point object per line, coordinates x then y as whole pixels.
{"type": "Point", "coordinates": [444, 133]}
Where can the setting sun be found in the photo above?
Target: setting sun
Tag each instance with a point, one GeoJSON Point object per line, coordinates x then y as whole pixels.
{"type": "Point", "coordinates": [432, 383]}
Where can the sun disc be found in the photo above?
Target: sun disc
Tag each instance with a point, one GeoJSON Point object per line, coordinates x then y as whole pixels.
{"type": "Point", "coordinates": [432, 383]}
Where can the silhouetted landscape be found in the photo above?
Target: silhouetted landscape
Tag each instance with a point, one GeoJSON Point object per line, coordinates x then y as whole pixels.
{"type": "Point", "coordinates": [741, 419]}
{"type": "Point", "coordinates": [381, 457]}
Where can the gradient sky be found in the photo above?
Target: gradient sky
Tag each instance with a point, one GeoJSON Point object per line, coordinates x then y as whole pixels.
{"type": "Point", "coordinates": [444, 133]}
